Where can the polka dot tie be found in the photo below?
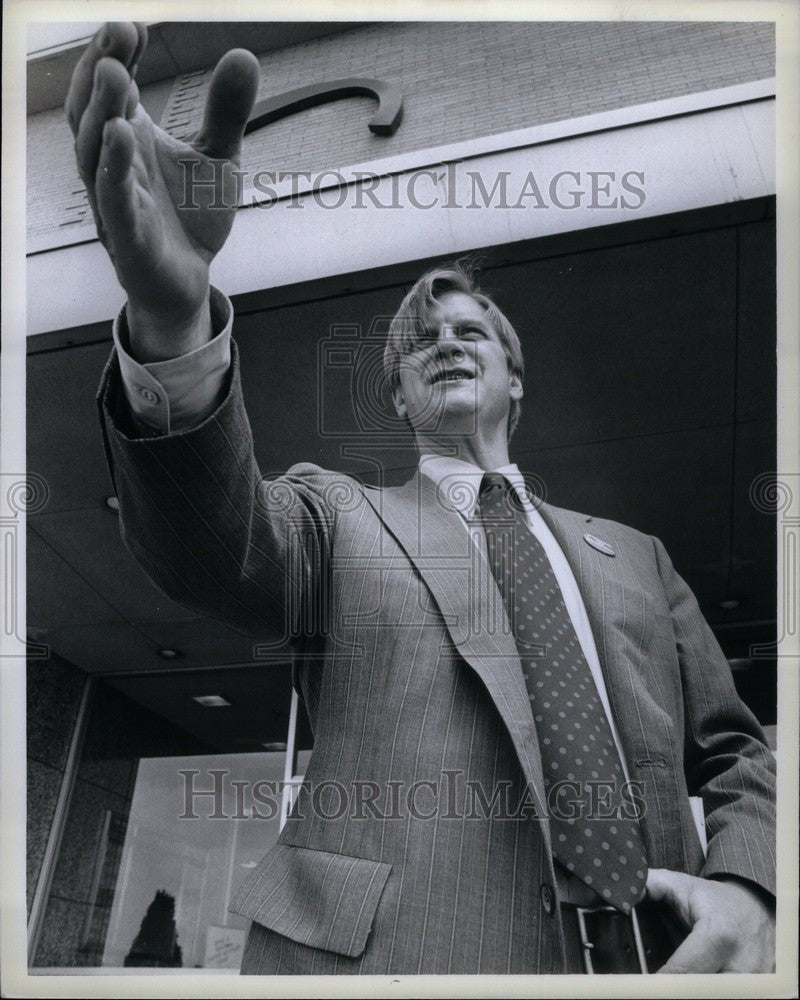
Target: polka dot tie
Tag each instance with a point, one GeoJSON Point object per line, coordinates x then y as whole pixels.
{"type": "Point", "coordinates": [593, 823]}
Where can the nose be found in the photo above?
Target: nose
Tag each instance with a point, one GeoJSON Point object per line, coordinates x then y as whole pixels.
{"type": "Point", "coordinates": [448, 344]}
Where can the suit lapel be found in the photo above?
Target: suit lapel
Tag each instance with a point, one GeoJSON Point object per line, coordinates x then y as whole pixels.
{"type": "Point", "coordinates": [434, 537]}
{"type": "Point", "coordinates": [619, 613]}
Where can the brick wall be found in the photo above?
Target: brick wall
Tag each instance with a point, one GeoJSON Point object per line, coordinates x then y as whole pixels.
{"type": "Point", "coordinates": [458, 79]}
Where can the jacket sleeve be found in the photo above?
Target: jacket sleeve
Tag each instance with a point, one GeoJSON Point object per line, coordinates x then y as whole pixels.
{"type": "Point", "coordinates": [727, 761]}
{"type": "Point", "coordinates": [207, 529]}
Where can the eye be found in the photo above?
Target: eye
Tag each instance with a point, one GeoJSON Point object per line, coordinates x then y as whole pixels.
{"type": "Point", "coordinates": [420, 343]}
{"type": "Point", "coordinates": [424, 345]}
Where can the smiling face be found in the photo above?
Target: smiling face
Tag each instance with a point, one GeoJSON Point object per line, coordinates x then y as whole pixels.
{"type": "Point", "coordinates": [457, 380]}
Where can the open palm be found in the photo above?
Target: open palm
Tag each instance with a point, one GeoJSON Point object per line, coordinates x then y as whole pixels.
{"type": "Point", "coordinates": [163, 207]}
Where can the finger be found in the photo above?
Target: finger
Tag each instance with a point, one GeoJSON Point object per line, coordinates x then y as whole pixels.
{"type": "Point", "coordinates": [141, 31]}
{"type": "Point", "coordinates": [698, 953]}
{"type": "Point", "coordinates": [230, 101]}
{"type": "Point", "coordinates": [110, 97]}
{"type": "Point", "coordinates": [133, 99]}
{"type": "Point", "coordinates": [119, 41]}
{"type": "Point", "coordinates": [115, 186]}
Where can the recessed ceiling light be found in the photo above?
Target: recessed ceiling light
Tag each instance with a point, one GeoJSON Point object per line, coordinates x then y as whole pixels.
{"type": "Point", "coordinates": [275, 745]}
{"type": "Point", "coordinates": [170, 654]}
{"type": "Point", "coordinates": [113, 503]}
{"type": "Point", "coordinates": [211, 700]}
{"type": "Point", "coordinates": [729, 605]}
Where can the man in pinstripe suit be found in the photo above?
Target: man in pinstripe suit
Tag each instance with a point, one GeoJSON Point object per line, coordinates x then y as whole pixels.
{"type": "Point", "coordinates": [400, 855]}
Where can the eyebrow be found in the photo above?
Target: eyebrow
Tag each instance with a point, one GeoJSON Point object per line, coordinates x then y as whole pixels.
{"type": "Point", "coordinates": [469, 321]}
{"type": "Point", "coordinates": [460, 322]}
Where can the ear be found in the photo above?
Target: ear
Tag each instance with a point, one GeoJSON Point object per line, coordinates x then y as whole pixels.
{"type": "Point", "coordinates": [399, 402]}
{"type": "Point", "coordinates": [514, 386]}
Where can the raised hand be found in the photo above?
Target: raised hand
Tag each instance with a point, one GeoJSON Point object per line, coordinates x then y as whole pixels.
{"type": "Point", "coordinates": [158, 217]}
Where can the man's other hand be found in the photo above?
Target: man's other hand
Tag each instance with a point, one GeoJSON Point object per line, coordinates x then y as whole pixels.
{"type": "Point", "coordinates": [160, 229]}
{"type": "Point", "coordinates": [732, 924]}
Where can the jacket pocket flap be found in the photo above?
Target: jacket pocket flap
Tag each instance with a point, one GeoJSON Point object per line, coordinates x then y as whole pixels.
{"type": "Point", "coordinates": [316, 898]}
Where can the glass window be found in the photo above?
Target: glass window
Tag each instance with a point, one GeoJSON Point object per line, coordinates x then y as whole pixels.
{"type": "Point", "coordinates": [153, 847]}
{"type": "Point", "coordinates": [193, 833]}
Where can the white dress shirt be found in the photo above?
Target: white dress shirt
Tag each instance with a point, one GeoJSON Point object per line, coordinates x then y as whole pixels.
{"type": "Point", "coordinates": [176, 395]}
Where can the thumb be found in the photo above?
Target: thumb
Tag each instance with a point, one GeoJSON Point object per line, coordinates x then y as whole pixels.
{"type": "Point", "coordinates": [672, 889]}
{"type": "Point", "coordinates": [228, 106]}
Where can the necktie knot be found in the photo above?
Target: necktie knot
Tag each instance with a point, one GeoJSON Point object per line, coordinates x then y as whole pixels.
{"type": "Point", "coordinates": [493, 481]}
{"type": "Point", "coordinates": [497, 498]}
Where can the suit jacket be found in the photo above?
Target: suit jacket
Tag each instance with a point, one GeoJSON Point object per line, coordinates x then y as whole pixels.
{"type": "Point", "coordinates": [419, 842]}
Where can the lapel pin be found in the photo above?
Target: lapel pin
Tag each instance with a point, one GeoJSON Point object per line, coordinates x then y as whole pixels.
{"type": "Point", "coordinates": [599, 544]}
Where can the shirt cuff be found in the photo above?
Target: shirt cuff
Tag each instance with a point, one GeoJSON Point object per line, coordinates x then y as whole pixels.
{"type": "Point", "coordinates": [178, 394]}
